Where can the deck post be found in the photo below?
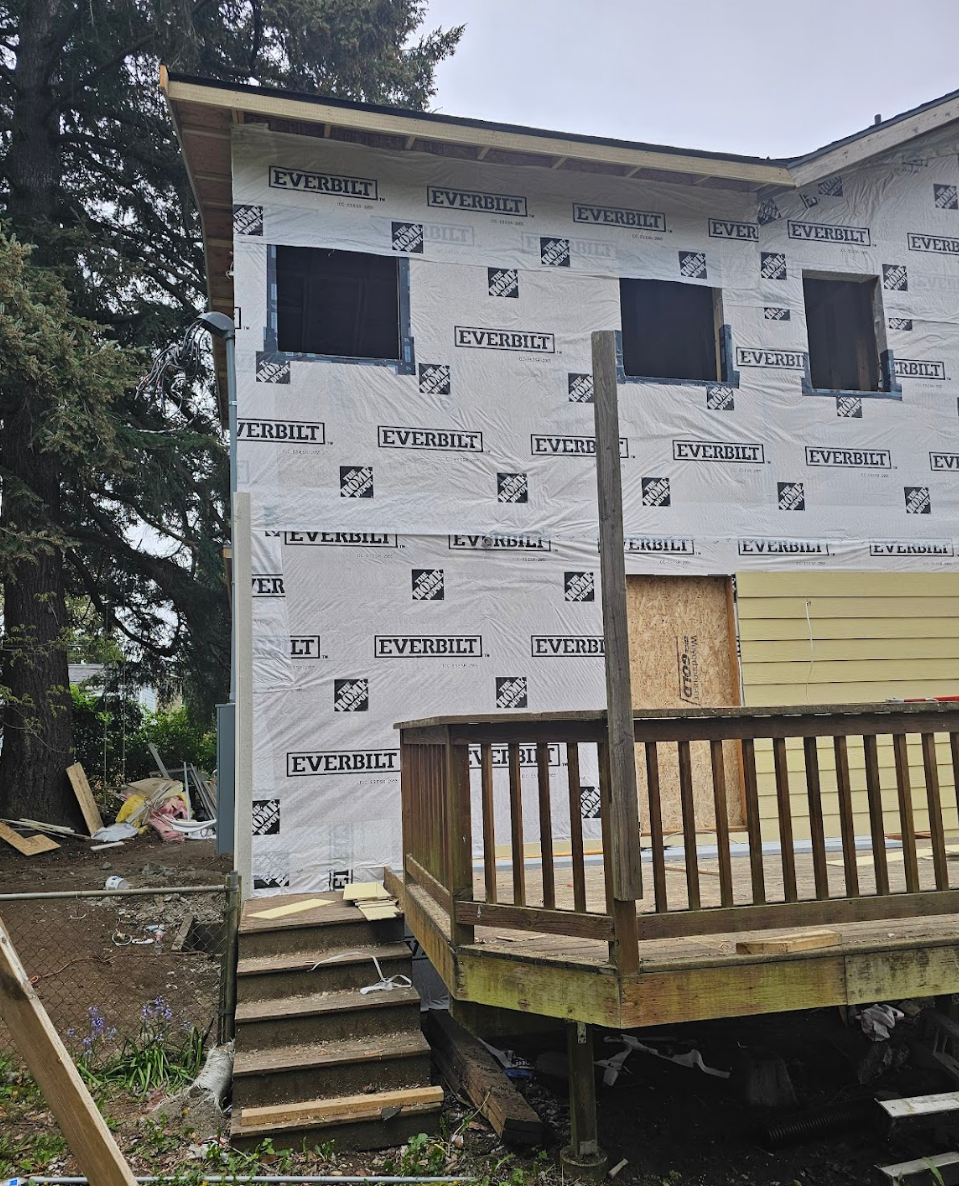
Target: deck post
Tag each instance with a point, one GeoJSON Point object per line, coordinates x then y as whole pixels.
{"type": "Point", "coordinates": [624, 860]}
{"type": "Point", "coordinates": [582, 1157]}
{"type": "Point", "coordinates": [459, 835]}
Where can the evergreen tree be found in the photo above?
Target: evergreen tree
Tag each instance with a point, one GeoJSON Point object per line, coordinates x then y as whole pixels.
{"type": "Point", "coordinates": [108, 492]}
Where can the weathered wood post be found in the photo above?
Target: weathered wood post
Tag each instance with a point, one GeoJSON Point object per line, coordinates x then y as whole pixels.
{"type": "Point", "coordinates": [582, 1157]}
{"type": "Point", "coordinates": [624, 861]}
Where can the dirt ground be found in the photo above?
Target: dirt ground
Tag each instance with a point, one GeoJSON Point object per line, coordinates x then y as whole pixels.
{"type": "Point", "coordinates": [674, 1125]}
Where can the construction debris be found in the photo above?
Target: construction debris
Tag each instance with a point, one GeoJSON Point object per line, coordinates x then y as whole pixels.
{"type": "Point", "coordinates": [29, 846]}
{"type": "Point", "coordinates": [85, 799]}
{"type": "Point", "coordinates": [471, 1071]}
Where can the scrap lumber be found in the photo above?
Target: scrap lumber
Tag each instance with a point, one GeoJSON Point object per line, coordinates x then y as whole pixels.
{"type": "Point", "coordinates": [90, 1141]}
{"type": "Point", "coordinates": [88, 806]}
{"type": "Point", "coordinates": [364, 891]}
{"type": "Point", "coordinates": [940, 1169]}
{"type": "Point", "coordinates": [782, 944]}
{"type": "Point", "coordinates": [470, 1070]}
{"type": "Point", "coordinates": [29, 846]}
{"type": "Point", "coordinates": [345, 1108]}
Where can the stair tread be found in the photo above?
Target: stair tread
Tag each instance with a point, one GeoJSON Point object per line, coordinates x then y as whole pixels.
{"type": "Point", "coordinates": [298, 960]}
{"type": "Point", "coordinates": [336, 1109]}
{"type": "Point", "coordinates": [337, 912]}
{"type": "Point", "coordinates": [324, 1002]}
{"type": "Point", "coordinates": [315, 1054]}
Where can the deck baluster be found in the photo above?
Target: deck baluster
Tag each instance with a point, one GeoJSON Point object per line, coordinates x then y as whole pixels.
{"type": "Point", "coordinates": [906, 819]}
{"type": "Point", "coordinates": [489, 834]}
{"type": "Point", "coordinates": [688, 802]}
{"type": "Point", "coordinates": [753, 823]}
{"type": "Point", "coordinates": [817, 830]}
{"type": "Point", "coordinates": [934, 800]}
{"type": "Point", "coordinates": [721, 808]}
{"type": "Point", "coordinates": [545, 825]}
{"type": "Point", "coordinates": [576, 828]}
{"type": "Point", "coordinates": [876, 826]}
{"type": "Point", "coordinates": [656, 827]}
{"type": "Point", "coordinates": [787, 845]}
{"type": "Point", "coordinates": [847, 823]}
{"type": "Point", "coordinates": [516, 825]}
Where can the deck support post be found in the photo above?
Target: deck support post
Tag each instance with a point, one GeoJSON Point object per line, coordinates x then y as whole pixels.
{"type": "Point", "coordinates": [582, 1158]}
{"type": "Point", "coordinates": [623, 862]}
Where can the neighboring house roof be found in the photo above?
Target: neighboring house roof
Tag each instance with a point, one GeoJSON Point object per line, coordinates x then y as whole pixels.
{"type": "Point", "coordinates": [203, 112]}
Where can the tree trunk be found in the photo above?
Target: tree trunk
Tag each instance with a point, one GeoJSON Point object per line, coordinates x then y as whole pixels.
{"type": "Point", "coordinates": [37, 716]}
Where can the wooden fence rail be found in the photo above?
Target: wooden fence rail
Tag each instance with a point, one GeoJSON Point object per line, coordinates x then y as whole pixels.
{"type": "Point", "coordinates": [796, 774]}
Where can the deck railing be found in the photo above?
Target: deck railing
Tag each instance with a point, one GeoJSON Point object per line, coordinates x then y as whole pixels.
{"type": "Point", "coordinates": [809, 772]}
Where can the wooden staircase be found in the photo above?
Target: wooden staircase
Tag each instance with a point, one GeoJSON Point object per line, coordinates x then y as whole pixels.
{"type": "Point", "coordinates": [316, 1058]}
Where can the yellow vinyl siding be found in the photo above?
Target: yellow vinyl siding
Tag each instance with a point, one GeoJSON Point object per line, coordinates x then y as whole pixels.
{"type": "Point", "coordinates": [875, 637]}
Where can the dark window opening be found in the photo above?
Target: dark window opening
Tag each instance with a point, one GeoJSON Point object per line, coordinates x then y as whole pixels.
{"type": "Point", "coordinates": [344, 303]}
{"type": "Point", "coordinates": [840, 325]}
{"type": "Point", "coordinates": [669, 330]}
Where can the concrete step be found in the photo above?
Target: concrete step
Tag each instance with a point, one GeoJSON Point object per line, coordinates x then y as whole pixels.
{"type": "Point", "coordinates": [336, 924]}
{"type": "Point", "coordinates": [370, 1121]}
{"type": "Point", "coordinates": [326, 1017]}
{"type": "Point", "coordinates": [355, 1066]}
{"type": "Point", "coordinates": [273, 977]}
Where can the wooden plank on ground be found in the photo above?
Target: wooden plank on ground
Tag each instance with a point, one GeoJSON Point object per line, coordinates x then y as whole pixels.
{"type": "Point", "coordinates": [88, 806]}
{"type": "Point", "coordinates": [342, 1108]}
{"type": "Point", "coordinates": [939, 1169]}
{"type": "Point", "coordinates": [779, 944]}
{"type": "Point", "coordinates": [471, 1070]}
{"type": "Point", "coordinates": [90, 1141]}
{"type": "Point", "coordinates": [29, 846]}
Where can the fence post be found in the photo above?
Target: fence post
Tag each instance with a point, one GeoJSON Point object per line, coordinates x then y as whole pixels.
{"type": "Point", "coordinates": [226, 1026]}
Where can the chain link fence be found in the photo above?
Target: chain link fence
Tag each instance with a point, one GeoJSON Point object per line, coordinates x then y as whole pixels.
{"type": "Point", "coordinates": [105, 962]}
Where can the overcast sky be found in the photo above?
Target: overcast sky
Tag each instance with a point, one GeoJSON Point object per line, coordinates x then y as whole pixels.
{"type": "Point", "coordinates": [760, 78]}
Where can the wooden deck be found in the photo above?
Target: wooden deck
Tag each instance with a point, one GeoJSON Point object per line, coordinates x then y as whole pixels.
{"type": "Point", "coordinates": [547, 935]}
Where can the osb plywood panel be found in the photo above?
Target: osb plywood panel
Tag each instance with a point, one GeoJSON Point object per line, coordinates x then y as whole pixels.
{"type": "Point", "coordinates": [681, 656]}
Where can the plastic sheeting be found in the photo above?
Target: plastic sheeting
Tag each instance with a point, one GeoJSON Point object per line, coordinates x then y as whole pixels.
{"type": "Point", "coordinates": [425, 532]}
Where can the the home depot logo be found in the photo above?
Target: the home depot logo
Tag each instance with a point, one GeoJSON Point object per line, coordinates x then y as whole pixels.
{"type": "Point", "coordinates": [895, 278]}
{"type": "Point", "coordinates": [902, 547]}
{"type": "Point", "coordinates": [356, 481]}
{"type": "Point", "coordinates": [331, 184]}
{"type": "Point", "coordinates": [787, 360]}
{"type": "Point", "coordinates": [442, 440]}
{"type": "Point", "coordinates": [542, 445]}
{"type": "Point", "coordinates": [305, 646]}
{"type": "Point", "coordinates": [903, 324]}
{"type": "Point", "coordinates": [266, 817]}
{"type": "Point", "coordinates": [267, 584]}
{"type": "Point", "coordinates": [434, 378]}
{"type": "Point", "coordinates": [655, 492]}
{"type": "Point", "coordinates": [738, 452]}
{"type": "Point", "coordinates": [783, 547]}
{"type": "Point", "coordinates": [476, 200]}
{"type": "Point", "coordinates": [721, 228]}
{"type": "Point", "coordinates": [428, 646]}
{"type": "Point", "coordinates": [634, 220]}
{"type": "Point", "coordinates": [915, 368]}
{"type": "Point", "coordinates": [849, 406]}
{"type": "Point", "coordinates": [944, 461]}
{"type": "Point", "coordinates": [692, 265]}
{"type": "Point", "coordinates": [512, 488]}
{"type": "Point", "coordinates": [720, 399]}
{"type": "Point", "coordinates": [945, 197]}
{"type": "Point", "coordinates": [554, 253]}
{"type": "Point", "coordinates": [503, 282]}
{"type": "Point", "coordinates": [767, 212]}
{"type": "Point", "coordinates": [579, 586]}
{"type": "Point", "coordinates": [285, 432]}
{"type": "Point", "coordinates": [939, 244]}
{"type": "Point", "coordinates": [791, 496]}
{"type": "Point", "coordinates": [341, 539]}
{"type": "Point", "coordinates": [500, 543]}
{"type": "Point", "coordinates": [351, 695]}
{"type": "Point", "coordinates": [566, 646]}
{"type": "Point", "coordinates": [580, 387]}
{"type": "Point", "coordinates": [823, 232]}
{"type": "Point", "coordinates": [663, 545]}
{"type": "Point", "coordinates": [474, 337]}
{"type": "Point", "coordinates": [917, 499]}
{"type": "Point", "coordinates": [407, 236]}
{"type": "Point", "coordinates": [589, 803]}
{"type": "Point", "coordinates": [271, 871]}
{"type": "Point", "coordinates": [776, 313]}
{"type": "Point", "coordinates": [248, 220]}
{"type": "Point", "coordinates": [850, 458]}
{"type": "Point", "coordinates": [341, 761]}
{"type": "Point", "coordinates": [772, 265]}
{"type": "Point", "coordinates": [428, 584]}
{"type": "Point", "coordinates": [270, 369]}
{"type": "Point", "coordinates": [512, 691]}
